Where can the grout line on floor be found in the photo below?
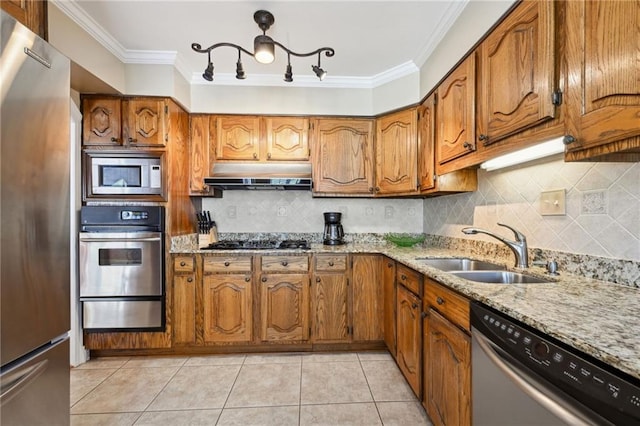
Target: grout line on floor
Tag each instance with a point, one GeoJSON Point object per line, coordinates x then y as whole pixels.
{"type": "Point", "coordinates": [375, 403]}
{"type": "Point", "coordinates": [224, 406]}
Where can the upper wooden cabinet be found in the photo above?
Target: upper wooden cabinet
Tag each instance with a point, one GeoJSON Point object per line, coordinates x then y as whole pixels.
{"type": "Point", "coordinates": [200, 149]}
{"type": "Point", "coordinates": [254, 138]}
{"type": "Point", "coordinates": [516, 81]}
{"type": "Point", "coordinates": [342, 156]}
{"type": "Point", "coordinates": [128, 122]}
{"type": "Point", "coordinates": [455, 116]}
{"type": "Point", "coordinates": [30, 13]}
{"type": "Point", "coordinates": [287, 138]}
{"type": "Point", "coordinates": [396, 153]}
{"type": "Point", "coordinates": [237, 138]}
{"type": "Point", "coordinates": [603, 93]}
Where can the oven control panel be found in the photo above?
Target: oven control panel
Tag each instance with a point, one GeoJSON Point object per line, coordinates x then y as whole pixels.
{"type": "Point", "coordinates": [134, 215]}
{"type": "Point", "coordinates": [564, 367]}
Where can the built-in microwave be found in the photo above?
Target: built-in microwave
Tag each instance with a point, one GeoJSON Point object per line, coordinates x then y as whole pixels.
{"type": "Point", "coordinates": [124, 174]}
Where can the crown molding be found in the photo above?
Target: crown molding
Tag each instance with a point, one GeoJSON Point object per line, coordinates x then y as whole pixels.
{"type": "Point", "coordinates": [451, 14]}
{"type": "Point", "coordinates": [88, 24]}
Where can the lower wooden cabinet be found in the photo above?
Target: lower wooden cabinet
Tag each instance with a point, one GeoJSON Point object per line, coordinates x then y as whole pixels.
{"type": "Point", "coordinates": [447, 372]}
{"type": "Point", "coordinates": [366, 278]}
{"type": "Point", "coordinates": [284, 307]}
{"type": "Point", "coordinates": [389, 304]}
{"type": "Point", "coordinates": [227, 302]}
{"type": "Point", "coordinates": [330, 299]}
{"type": "Point", "coordinates": [409, 335]}
{"type": "Point", "coordinates": [184, 300]}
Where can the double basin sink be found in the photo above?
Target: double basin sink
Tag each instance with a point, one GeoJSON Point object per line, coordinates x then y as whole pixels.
{"type": "Point", "coordinates": [479, 271]}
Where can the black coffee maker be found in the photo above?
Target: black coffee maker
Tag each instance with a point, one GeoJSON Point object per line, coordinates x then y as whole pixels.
{"type": "Point", "coordinates": [333, 232]}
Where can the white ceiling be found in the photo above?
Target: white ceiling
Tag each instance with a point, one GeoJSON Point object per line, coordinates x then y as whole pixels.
{"type": "Point", "coordinates": [375, 41]}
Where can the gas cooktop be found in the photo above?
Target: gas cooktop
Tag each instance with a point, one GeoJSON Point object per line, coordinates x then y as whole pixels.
{"type": "Point", "coordinates": [259, 245]}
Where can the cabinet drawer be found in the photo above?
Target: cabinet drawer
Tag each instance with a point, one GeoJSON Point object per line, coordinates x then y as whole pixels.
{"type": "Point", "coordinates": [409, 278]}
{"type": "Point", "coordinates": [285, 263]}
{"type": "Point", "coordinates": [331, 262]}
{"type": "Point", "coordinates": [184, 264]}
{"type": "Point", "coordinates": [450, 304]}
{"type": "Point", "coordinates": [228, 264]}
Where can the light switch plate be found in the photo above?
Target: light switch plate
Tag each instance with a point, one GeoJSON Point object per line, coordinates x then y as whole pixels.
{"type": "Point", "coordinates": [552, 203]}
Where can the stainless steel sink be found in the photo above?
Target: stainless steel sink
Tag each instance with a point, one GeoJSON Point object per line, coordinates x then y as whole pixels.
{"type": "Point", "coordinates": [458, 264]}
{"type": "Point", "coordinates": [498, 277]}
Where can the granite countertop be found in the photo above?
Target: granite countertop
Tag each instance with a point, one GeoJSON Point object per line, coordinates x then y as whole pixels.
{"type": "Point", "coordinates": [597, 317]}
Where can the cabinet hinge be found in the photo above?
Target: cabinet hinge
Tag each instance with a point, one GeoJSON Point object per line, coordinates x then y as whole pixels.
{"type": "Point", "coordinates": [556, 97]}
{"type": "Point", "coordinates": [309, 152]}
{"type": "Point", "coordinates": [347, 282]}
{"type": "Point", "coordinates": [166, 109]}
{"type": "Point", "coordinates": [309, 331]}
{"type": "Point", "coordinates": [435, 98]}
{"type": "Point", "coordinates": [166, 137]}
{"type": "Point", "coordinates": [350, 331]}
{"type": "Point", "coordinates": [351, 263]}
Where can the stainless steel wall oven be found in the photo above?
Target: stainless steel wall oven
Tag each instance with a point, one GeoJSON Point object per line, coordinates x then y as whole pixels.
{"type": "Point", "coordinates": [122, 268]}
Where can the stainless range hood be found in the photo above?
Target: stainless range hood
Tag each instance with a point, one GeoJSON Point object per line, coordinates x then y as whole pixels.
{"type": "Point", "coordinates": [265, 176]}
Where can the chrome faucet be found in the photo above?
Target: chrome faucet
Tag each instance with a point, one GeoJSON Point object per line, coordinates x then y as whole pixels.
{"type": "Point", "coordinates": [518, 247]}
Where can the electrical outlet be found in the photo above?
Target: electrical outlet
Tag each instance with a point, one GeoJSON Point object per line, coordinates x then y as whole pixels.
{"type": "Point", "coordinates": [552, 203]}
{"type": "Point", "coordinates": [232, 212]}
{"type": "Point", "coordinates": [388, 212]}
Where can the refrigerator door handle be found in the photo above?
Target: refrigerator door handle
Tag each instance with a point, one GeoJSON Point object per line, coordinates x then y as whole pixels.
{"type": "Point", "coordinates": [18, 379]}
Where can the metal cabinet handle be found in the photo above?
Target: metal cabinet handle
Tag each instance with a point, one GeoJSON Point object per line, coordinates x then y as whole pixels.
{"type": "Point", "coordinates": [264, 279]}
{"type": "Point", "coordinates": [568, 139]}
{"type": "Point", "coordinates": [268, 155]}
{"type": "Point", "coordinates": [132, 140]}
{"type": "Point", "coordinates": [414, 305]}
{"type": "Point", "coordinates": [114, 139]}
{"type": "Point", "coordinates": [483, 137]}
{"type": "Point", "coordinates": [389, 265]}
{"type": "Point", "coordinates": [377, 189]}
{"type": "Point", "coordinates": [331, 263]}
{"type": "Point", "coordinates": [440, 300]}
{"type": "Point", "coordinates": [424, 315]}
{"type": "Point", "coordinates": [403, 277]}
{"type": "Point", "coordinates": [467, 145]}
{"type": "Point", "coordinates": [226, 263]}
{"type": "Point", "coordinates": [183, 263]}
{"type": "Point", "coordinates": [371, 189]}
{"type": "Point", "coordinates": [284, 263]}
{"type": "Point", "coordinates": [255, 155]}
{"type": "Point", "coordinates": [318, 279]}
{"type": "Point", "coordinates": [189, 280]}
{"type": "Point", "coordinates": [247, 279]}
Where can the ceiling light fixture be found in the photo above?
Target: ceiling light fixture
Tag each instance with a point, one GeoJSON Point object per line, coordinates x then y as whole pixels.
{"type": "Point", "coordinates": [264, 51]}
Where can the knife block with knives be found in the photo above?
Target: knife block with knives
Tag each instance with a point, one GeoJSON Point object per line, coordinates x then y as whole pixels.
{"type": "Point", "coordinates": [207, 229]}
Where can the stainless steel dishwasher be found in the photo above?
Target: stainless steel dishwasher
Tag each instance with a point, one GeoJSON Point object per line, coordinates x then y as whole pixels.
{"type": "Point", "coordinates": [520, 376]}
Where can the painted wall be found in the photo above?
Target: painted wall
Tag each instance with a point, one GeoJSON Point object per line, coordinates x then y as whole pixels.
{"type": "Point", "coordinates": [66, 36]}
{"type": "Point", "coordinates": [474, 21]}
{"type": "Point", "coordinates": [396, 94]}
{"type": "Point", "coordinates": [602, 207]}
{"type": "Point", "coordinates": [298, 211]}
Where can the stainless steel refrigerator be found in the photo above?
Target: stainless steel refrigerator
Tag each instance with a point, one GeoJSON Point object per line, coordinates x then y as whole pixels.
{"type": "Point", "coordinates": [35, 248]}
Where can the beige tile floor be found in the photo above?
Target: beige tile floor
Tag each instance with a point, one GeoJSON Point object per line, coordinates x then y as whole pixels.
{"type": "Point", "coordinates": [364, 388]}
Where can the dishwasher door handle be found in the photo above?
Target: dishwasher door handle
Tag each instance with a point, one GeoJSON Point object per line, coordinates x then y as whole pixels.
{"type": "Point", "coordinates": [544, 396]}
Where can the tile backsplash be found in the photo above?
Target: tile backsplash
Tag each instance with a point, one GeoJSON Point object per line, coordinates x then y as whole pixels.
{"type": "Point", "coordinates": [299, 212]}
{"type": "Point", "coordinates": [602, 207]}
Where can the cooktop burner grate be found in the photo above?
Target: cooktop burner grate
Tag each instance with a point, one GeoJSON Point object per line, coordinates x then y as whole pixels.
{"type": "Point", "coordinates": [259, 245]}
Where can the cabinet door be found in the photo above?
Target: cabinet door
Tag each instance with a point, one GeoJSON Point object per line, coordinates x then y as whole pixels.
{"type": "Point", "coordinates": [343, 156]}
{"type": "Point", "coordinates": [238, 138]}
{"type": "Point", "coordinates": [447, 375]}
{"type": "Point", "coordinates": [517, 72]}
{"type": "Point", "coordinates": [396, 153]}
{"type": "Point", "coordinates": [284, 307]}
{"type": "Point", "coordinates": [366, 294]}
{"type": "Point", "coordinates": [604, 75]}
{"type": "Point", "coordinates": [426, 144]}
{"type": "Point", "coordinates": [389, 283]}
{"type": "Point", "coordinates": [30, 13]}
{"type": "Point", "coordinates": [101, 121]}
{"type": "Point", "coordinates": [329, 315]}
{"type": "Point", "coordinates": [455, 132]}
{"type": "Point", "coordinates": [287, 138]}
{"type": "Point", "coordinates": [227, 305]}
{"type": "Point", "coordinates": [145, 122]}
{"type": "Point", "coordinates": [199, 149]}
{"type": "Point", "coordinates": [184, 308]}
{"type": "Point", "coordinates": [409, 334]}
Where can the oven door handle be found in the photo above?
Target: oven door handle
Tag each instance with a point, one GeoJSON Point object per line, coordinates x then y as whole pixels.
{"type": "Point", "coordinates": [127, 240]}
{"type": "Point", "coordinates": [551, 400]}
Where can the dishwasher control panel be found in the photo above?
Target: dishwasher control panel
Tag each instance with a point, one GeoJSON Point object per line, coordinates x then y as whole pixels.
{"type": "Point", "coordinates": [602, 388]}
